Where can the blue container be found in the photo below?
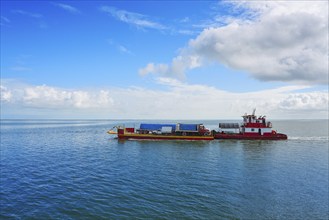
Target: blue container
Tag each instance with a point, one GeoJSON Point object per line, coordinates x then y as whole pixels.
{"type": "Point", "coordinates": [188, 127]}
{"type": "Point", "coordinates": [154, 127]}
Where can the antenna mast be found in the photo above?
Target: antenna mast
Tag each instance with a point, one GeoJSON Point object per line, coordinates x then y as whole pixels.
{"type": "Point", "coordinates": [253, 112]}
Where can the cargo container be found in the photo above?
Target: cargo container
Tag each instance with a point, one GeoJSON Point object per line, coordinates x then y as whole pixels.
{"type": "Point", "coordinates": [188, 127]}
{"type": "Point", "coordinates": [192, 132]}
{"type": "Point", "coordinates": [154, 127]}
{"type": "Point", "coordinates": [166, 130]}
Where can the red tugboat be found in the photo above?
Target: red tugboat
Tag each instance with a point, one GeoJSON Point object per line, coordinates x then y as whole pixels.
{"type": "Point", "coordinates": [191, 132]}
{"type": "Point", "coordinates": [253, 128]}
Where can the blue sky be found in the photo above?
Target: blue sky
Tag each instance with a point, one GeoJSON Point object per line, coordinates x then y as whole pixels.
{"type": "Point", "coordinates": [164, 60]}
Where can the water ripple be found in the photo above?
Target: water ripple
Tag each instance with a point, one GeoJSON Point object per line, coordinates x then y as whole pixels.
{"type": "Point", "coordinates": [74, 172]}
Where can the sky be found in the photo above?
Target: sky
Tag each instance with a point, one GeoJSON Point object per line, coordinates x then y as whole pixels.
{"type": "Point", "coordinates": [164, 59]}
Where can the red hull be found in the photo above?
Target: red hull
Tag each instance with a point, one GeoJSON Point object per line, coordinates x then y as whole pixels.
{"type": "Point", "coordinates": [271, 136]}
{"type": "Point", "coordinates": [164, 137]}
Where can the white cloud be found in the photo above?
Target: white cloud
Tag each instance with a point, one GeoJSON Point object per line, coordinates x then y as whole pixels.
{"type": "Point", "coordinates": [153, 68]}
{"type": "Point", "coordinates": [4, 21]}
{"type": "Point", "coordinates": [54, 98]}
{"type": "Point", "coordinates": [186, 32]}
{"type": "Point", "coordinates": [38, 17]}
{"type": "Point", "coordinates": [177, 69]}
{"type": "Point", "coordinates": [68, 8]}
{"type": "Point", "coordinates": [272, 41]}
{"type": "Point", "coordinates": [136, 19]}
{"type": "Point", "coordinates": [177, 101]}
{"type": "Point", "coordinates": [20, 68]}
{"type": "Point", "coordinates": [5, 94]}
{"type": "Point", "coordinates": [26, 13]}
{"type": "Point", "coordinates": [123, 49]}
{"type": "Point", "coordinates": [309, 101]}
{"type": "Point", "coordinates": [184, 20]}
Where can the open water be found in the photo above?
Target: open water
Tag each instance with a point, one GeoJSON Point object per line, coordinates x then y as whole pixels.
{"type": "Point", "coordinates": [75, 170]}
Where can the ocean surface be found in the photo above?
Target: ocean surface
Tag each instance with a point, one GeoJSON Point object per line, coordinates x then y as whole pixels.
{"type": "Point", "coordinates": [70, 169]}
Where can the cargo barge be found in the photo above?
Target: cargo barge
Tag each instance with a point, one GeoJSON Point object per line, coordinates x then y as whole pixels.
{"type": "Point", "coordinates": [252, 128]}
{"type": "Point", "coordinates": [192, 132]}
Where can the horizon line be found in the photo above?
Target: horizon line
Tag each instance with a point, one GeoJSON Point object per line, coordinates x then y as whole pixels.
{"type": "Point", "coordinates": [137, 119]}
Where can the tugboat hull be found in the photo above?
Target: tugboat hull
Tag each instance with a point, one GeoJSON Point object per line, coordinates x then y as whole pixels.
{"type": "Point", "coordinates": [252, 128]}
{"type": "Point", "coordinates": [277, 136]}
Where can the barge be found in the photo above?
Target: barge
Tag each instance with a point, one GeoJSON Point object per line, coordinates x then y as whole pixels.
{"type": "Point", "coordinates": [252, 128]}
{"type": "Point", "coordinates": [191, 132]}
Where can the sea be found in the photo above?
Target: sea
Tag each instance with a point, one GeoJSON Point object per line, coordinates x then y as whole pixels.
{"type": "Point", "coordinates": [73, 169]}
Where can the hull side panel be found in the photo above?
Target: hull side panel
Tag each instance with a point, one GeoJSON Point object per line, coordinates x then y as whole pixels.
{"type": "Point", "coordinates": [164, 137]}
{"type": "Point", "coordinates": [277, 136]}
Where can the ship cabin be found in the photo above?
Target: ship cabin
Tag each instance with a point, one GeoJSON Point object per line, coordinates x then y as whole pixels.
{"type": "Point", "coordinates": [256, 125]}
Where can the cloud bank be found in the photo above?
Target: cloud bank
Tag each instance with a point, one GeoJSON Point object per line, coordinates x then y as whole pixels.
{"type": "Point", "coordinates": [55, 98]}
{"type": "Point", "coordinates": [271, 41]}
{"type": "Point", "coordinates": [176, 101]}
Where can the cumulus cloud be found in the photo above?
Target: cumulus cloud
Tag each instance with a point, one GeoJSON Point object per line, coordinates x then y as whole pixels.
{"type": "Point", "coordinates": [272, 41]}
{"type": "Point", "coordinates": [154, 68]}
{"type": "Point", "coordinates": [5, 94]}
{"type": "Point", "coordinates": [54, 98]}
{"type": "Point", "coordinates": [172, 102]}
{"type": "Point", "coordinates": [177, 69]}
{"type": "Point", "coordinates": [309, 101]}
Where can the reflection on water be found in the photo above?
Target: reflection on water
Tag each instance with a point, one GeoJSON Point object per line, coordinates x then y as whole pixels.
{"type": "Point", "coordinates": [74, 169]}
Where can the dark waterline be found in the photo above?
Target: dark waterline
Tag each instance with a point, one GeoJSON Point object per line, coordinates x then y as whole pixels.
{"type": "Point", "coordinates": [73, 169]}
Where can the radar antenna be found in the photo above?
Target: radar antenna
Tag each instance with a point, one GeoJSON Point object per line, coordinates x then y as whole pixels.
{"type": "Point", "coordinates": [253, 112]}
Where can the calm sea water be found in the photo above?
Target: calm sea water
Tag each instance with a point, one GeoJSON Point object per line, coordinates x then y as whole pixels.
{"type": "Point", "coordinates": [73, 170]}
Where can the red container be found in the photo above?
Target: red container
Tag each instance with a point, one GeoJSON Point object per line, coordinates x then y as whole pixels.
{"type": "Point", "coordinates": [131, 130]}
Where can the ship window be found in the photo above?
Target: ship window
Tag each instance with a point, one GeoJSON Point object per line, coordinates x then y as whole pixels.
{"type": "Point", "coordinates": [252, 129]}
